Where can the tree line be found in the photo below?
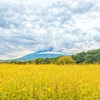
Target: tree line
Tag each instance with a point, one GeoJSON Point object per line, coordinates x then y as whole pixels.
{"type": "Point", "coordinates": [57, 60]}
{"type": "Point", "coordinates": [89, 57]}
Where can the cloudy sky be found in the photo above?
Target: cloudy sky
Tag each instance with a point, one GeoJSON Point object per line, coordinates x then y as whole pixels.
{"type": "Point", "coordinates": [66, 26]}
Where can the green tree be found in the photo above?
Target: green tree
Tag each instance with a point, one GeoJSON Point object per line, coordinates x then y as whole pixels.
{"type": "Point", "coordinates": [65, 60]}
{"type": "Point", "coordinates": [92, 56]}
{"type": "Point", "coordinates": [79, 57]}
{"type": "Point", "coordinates": [39, 61]}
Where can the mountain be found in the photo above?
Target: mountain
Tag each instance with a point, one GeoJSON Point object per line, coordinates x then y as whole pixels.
{"type": "Point", "coordinates": [34, 56]}
{"type": "Point", "coordinates": [45, 50]}
{"type": "Point", "coordinates": [38, 55]}
{"type": "Point", "coordinates": [46, 53]}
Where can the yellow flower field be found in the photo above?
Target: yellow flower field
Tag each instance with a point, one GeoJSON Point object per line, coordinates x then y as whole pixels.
{"type": "Point", "coordinates": [49, 82]}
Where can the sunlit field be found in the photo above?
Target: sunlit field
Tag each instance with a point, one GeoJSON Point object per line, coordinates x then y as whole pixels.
{"type": "Point", "coordinates": [49, 82]}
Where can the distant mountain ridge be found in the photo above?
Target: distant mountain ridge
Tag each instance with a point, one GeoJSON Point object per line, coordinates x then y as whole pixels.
{"type": "Point", "coordinates": [45, 50]}
{"type": "Point", "coordinates": [38, 55]}
{"type": "Point", "coordinates": [45, 53]}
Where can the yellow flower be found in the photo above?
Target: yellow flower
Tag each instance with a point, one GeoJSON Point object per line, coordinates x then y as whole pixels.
{"type": "Point", "coordinates": [48, 89]}
{"type": "Point", "coordinates": [0, 88]}
{"type": "Point", "coordinates": [13, 95]}
{"type": "Point", "coordinates": [23, 89]}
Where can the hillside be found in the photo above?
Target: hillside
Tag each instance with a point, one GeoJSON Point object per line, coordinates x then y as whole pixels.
{"type": "Point", "coordinates": [92, 56]}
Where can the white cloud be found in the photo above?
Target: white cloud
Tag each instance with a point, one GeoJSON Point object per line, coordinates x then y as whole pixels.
{"type": "Point", "coordinates": [65, 26]}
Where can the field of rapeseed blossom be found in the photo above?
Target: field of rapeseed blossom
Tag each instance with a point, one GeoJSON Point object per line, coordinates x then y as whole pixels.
{"type": "Point", "coordinates": [49, 82]}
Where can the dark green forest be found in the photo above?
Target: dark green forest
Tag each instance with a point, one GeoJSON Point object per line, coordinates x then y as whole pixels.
{"type": "Point", "coordinates": [89, 57]}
